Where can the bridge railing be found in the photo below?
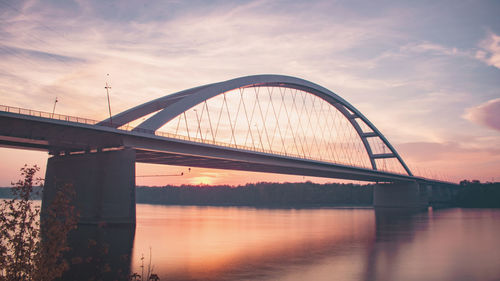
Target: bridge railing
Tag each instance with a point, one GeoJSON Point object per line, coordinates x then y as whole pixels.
{"type": "Point", "coordinates": [36, 113]}
{"type": "Point", "coordinates": [68, 118]}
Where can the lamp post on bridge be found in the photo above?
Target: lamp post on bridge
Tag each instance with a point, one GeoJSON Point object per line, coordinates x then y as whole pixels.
{"type": "Point", "coordinates": [107, 87]}
{"type": "Point", "coordinates": [54, 108]}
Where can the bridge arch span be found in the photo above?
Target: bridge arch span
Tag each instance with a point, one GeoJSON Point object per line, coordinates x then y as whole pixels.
{"type": "Point", "coordinates": [167, 108]}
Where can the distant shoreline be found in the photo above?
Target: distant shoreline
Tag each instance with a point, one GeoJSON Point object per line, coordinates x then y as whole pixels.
{"type": "Point", "coordinates": [470, 194]}
{"type": "Point", "coordinates": [277, 207]}
{"type": "Point", "coordinates": [265, 195]}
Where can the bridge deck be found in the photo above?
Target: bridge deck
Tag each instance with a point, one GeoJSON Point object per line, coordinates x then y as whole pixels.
{"type": "Point", "coordinates": [75, 135]}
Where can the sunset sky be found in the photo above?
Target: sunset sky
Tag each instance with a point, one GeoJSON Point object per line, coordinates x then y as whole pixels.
{"type": "Point", "coordinates": [426, 73]}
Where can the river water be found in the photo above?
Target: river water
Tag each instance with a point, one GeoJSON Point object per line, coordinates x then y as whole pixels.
{"type": "Point", "coordinates": [239, 243]}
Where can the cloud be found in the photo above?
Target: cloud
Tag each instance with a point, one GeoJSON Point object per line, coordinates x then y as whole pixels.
{"type": "Point", "coordinates": [490, 50]}
{"type": "Point", "coordinates": [486, 114]}
{"type": "Point", "coordinates": [428, 47]}
{"type": "Point", "coordinates": [148, 59]}
{"type": "Point", "coordinates": [7, 51]}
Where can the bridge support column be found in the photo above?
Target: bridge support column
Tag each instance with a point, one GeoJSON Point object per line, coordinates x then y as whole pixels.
{"type": "Point", "coordinates": [104, 183]}
{"type": "Point", "coordinates": [400, 195]}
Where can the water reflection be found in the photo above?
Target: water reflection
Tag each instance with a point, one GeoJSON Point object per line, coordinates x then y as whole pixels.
{"type": "Point", "coordinates": [449, 244]}
{"type": "Point", "coordinates": [100, 252]}
{"type": "Point", "coordinates": [210, 243]}
{"type": "Point", "coordinates": [223, 243]}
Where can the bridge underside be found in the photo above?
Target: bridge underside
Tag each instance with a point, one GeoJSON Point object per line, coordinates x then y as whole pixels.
{"type": "Point", "coordinates": [258, 164]}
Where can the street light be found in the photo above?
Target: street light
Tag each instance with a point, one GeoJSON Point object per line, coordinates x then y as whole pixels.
{"type": "Point", "coordinates": [54, 109]}
{"type": "Point", "coordinates": [107, 87]}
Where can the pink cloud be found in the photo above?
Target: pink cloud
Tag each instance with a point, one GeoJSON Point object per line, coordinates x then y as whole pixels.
{"type": "Point", "coordinates": [486, 114]}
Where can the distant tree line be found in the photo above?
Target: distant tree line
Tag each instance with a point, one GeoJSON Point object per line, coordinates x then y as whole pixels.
{"type": "Point", "coordinates": [260, 194]}
{"type": "Point", "coordinates": [474, 194]}
{"type": "Point", "coordinates": [469, 194]}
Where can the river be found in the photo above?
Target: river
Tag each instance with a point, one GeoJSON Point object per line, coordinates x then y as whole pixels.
{"type": "Point", "coordinates": [239, 243]}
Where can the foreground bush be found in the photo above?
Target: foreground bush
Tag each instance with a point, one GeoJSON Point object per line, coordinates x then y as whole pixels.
{"type": "Point", "coordinates": [30, 250]}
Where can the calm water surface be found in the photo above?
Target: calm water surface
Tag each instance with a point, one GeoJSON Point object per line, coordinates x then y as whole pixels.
{"type": "Point", "coordinates": [236, 243]}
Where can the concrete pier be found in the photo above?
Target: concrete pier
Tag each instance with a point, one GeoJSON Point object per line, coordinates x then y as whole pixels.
{"type": "Point", "coordinates": [104, 183]}
{"type": "Point", "coordinates": [400, 195]}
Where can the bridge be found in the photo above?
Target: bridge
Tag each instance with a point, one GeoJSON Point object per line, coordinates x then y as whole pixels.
{"type": "Point", "coordinates": [262, 123]}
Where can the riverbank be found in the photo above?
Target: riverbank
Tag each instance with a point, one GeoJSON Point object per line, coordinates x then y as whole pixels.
{"type": "Point", "coordinates": [261, 195]}
{"type": "Point", "coordinates": [469, 194]}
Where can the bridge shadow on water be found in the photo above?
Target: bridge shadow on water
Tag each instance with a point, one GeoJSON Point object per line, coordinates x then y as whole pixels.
{"type": "Point", "coordinates": [100, 252]}
{"type": "Point", "coordinates": [395, 228]}
{"type": "Point", "coordinates": [399, 223]}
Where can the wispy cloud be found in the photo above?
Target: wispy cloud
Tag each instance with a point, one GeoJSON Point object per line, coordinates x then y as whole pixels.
{"type": "Point", "coordinates": [490, 50]}
{"type": "Point", "coordinates": [428, 47]}
{"type": "Point", "coordinates": [7, 51]}
{"type": "Point", "coordinates": [147, 59]}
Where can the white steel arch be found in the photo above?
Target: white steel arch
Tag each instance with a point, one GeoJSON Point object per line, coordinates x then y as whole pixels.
{"type": "Point", "coordinates": [171, 106]}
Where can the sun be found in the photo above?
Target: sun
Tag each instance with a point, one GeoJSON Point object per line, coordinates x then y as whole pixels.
{"type": "Point", "coordinates": [202, 180]}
